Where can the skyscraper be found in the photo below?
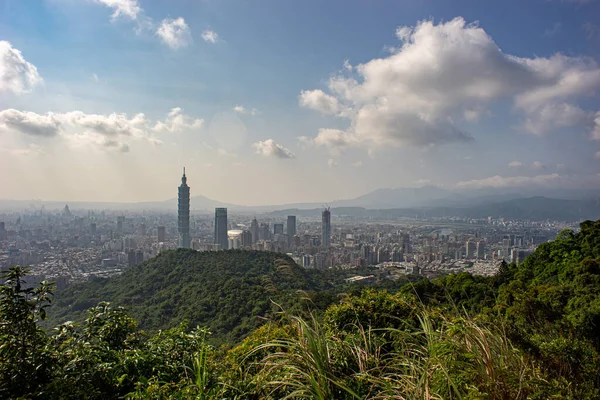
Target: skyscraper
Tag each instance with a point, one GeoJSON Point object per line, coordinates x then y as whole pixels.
{"type": "Point", "coordinates": [221, 228]}
{"type": "Point", "coordinates": [183, 212]}
{"type": "Point", "coordinates": [291, 227]}
{"type": "Point", "coordinates": [326, 228]}
{"type": "Point", "coordinates": [277, 229]}
{"type": "Point", "coordinates": [254, 230]}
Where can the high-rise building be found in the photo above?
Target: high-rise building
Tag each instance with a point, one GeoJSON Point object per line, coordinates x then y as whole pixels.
{"type": "Point", "coordinates": [120, 221]}
{"type": "Point", "coordinates": [470, 249]}
{"type": "Point", "coordinates": [183, 213]}
{"type": "Point", "coordinates": [221, 228]}
{"type": "Point", "coordinates": [326, 228]}
{"type": "Point", "coordinates": [278, 229]}
{"type": "Point", "coordinates": [246, 238]}
{"type": "Point", "coordinates": [3, 232]}
{"type": "Point", "coordinates": [161, 234]}
{"type": "Point", "coordinates": [291, 227]}
{"type": "Point", "coordinates": [481, 250]}
{"type": "Point", "coordinates": [263, 232]}
{"type": "Point", "coordinates": [92, 229]}
{"type": "Point", "coordinates": [254, 230]}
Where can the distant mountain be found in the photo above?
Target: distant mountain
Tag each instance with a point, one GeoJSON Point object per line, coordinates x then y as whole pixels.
{"type": "Point", "coordinates": [534, 208]}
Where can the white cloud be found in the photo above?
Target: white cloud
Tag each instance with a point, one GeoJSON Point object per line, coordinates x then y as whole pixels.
{"type": "Point", "coordinates": [331, 163]}
{"type": "Point", "coordinates": [549, 32]}
{"type": "Point", "coordinates": [319, 101]}
{"type": "Point", "coordinates": [174, 32]}
{"type": "Point", "coordinates": [511, 181]}
{"type": "Point", "coordinates": [545, 118]}
{"type": "Point", "coordinates": [538, 165]}
{"type": "Point", "coordinates": [544, 181]}
{"type": "Point", "coordinates": [110, 131]}
{"type": "Point", "coordinates": [243, 110]}
{"type": "Point", "coordinates": [16, 74]}
{"type": "Point", "coordinates": [30, 123]}
{"type": "Point", "coordinates": [347, 65]}
{"type": "Point", "coordinates": [596, 128]}
{"type": "Point", "coordinates": [210, 36]}
{"type": "Point", "coordinates": [515, 164]}
{"type": "Point", "coordinates": [269, 148]}
{"type": "Point", "coordinates": [177, 121]}
{"type": "Point", "coordinates": [409, 98]}
{"type": "Point", "coordinates": [123, 8]}
{"type": "Point", "coordinates": [95, 77]}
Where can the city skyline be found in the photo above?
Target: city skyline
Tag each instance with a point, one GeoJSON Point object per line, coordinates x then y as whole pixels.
{"type": "Point", "coordinates": [215, 85]}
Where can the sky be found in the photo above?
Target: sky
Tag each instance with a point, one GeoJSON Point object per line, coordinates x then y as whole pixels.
{"type": "Point", "coordinates": [272, 102]}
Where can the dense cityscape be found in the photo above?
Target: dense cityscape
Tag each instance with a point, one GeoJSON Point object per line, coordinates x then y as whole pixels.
{"type": "Point", "coordinates": [68, 246]}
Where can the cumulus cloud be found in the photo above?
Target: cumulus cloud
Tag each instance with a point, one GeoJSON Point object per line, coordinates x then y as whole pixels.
{"type": "Point", "coordinates": [538, 165]}
{"type": "Point", "coordinates": [175, 33]}
{"type": "Point", "coordinates": [515, 164]}
{"type": "Point", "coordinates": [16, 74]}
{"type": "Point", "coordinates": [210, 36]}
{"type": "Point", "coordinates": [410, 97]}
{"type": "Point", "coordinates": [269, 148]}
{"type": "Point", "coordinates": [319, 101]}
{"type": "Point", "coordinates": [123, 8]}
{"type": "Point", "coordinates": [30, 123]}
{"type": "Point", "coordinates": [177, 121]}
{"type": "Point", "coordinates": [243, 110]}
{"type": "Point", "coordinates": [110, 131]}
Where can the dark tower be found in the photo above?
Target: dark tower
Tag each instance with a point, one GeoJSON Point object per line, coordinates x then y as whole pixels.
{"type": "Point", "coordinates": [326, 228]}
{"type": "Point", "coordinates": [183, 212]}
{"type": "Point", "coordinates": [221, 228]}
{"type": "Point", "coordinates": [291, 227]}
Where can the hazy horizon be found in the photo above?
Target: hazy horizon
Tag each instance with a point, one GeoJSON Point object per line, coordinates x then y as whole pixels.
{"type": "Point", "coordinates": [281, 103]}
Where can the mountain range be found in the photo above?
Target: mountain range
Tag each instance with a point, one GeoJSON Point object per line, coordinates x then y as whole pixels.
{"type": "Point", "coordinates": [426, 200]}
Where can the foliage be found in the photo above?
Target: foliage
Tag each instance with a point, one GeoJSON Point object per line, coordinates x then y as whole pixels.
{"type": "Point", "coordinates": [530, 332]}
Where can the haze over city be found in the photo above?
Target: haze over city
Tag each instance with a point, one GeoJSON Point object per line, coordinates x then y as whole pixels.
{"type": "Point", "coordinates": [283, 102]}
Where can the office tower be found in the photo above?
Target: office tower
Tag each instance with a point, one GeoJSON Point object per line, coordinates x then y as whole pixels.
{"type": "Point", "coordinates": [183, 213]}
{"type": "Point", "coordinates": [326, 228]}
{"type": "Point", "coordinates": [470, 249]}
{"type": "Point", "coordinates": [221, 228]}
{"type": "Point", "coordinates": [3, 232]}
{"type": "Point", "coordinates": [263, 232]}
{"type": "Point", "coordinates": [246, 238]}
{"type": "Point", "coordinates": [481, 250]}
{"type": "Point", "coordinates": [92, 229]}
{"type": "Point", "coordinates": [161, 234]}
{"type": "Point", "coordinates": [291, 227]}
{"type": "Point", "coordinates": [278, 229]}
{"type": "Point", "coordinates": [254, 230]}
{"type": "Point", "coordinates": [143, 229]}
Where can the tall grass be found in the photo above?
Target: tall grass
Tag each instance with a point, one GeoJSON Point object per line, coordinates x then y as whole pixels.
{"type": "Point", "coordinates": [443, 358]}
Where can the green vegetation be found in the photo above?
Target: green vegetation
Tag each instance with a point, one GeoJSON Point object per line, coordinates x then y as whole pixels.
{"type": "Point", "coordinates": [531, 332]}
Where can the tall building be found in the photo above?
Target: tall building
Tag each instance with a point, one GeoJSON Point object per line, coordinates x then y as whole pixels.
{"type": "Point", "coordinates": [254, 230]}
{"type": "Point", "coordinates": [263, 231]}
{"type": "Point", "coordinates": [291, 226]}
{"type": "Point", "coordinates": [92, 229]}
{"type": "Point", "coordinates": [470, 248]}
{"type": "Point", "coordinates": [326, 228]}
{"type": "Point", "coordinates": [161, 234]}
{"type": "Point", "coordinates": [221, 228]}
{"type": "Point", "coordinates": [183, 213]}
{"type": "Point", "coordinates": [277, 229]}
{"type": "Point", "coordinates": [481, 250]}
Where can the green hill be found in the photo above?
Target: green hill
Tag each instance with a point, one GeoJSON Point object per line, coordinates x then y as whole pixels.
{"type": "Point", "coordinates": [227, 291]}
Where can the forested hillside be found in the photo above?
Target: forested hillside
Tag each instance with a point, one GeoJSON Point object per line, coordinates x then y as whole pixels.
{"type": "Point", "coordinates": [229, 292]}
{"type": "Point", "coordinates": [530, 332]}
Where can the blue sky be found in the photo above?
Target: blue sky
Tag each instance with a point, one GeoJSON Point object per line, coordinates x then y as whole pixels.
{"type": "Point", "coordinates": [285, 101]}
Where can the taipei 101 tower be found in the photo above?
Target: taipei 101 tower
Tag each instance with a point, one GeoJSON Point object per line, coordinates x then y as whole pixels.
{"type": "Point", "coordinates": [183, 221]}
